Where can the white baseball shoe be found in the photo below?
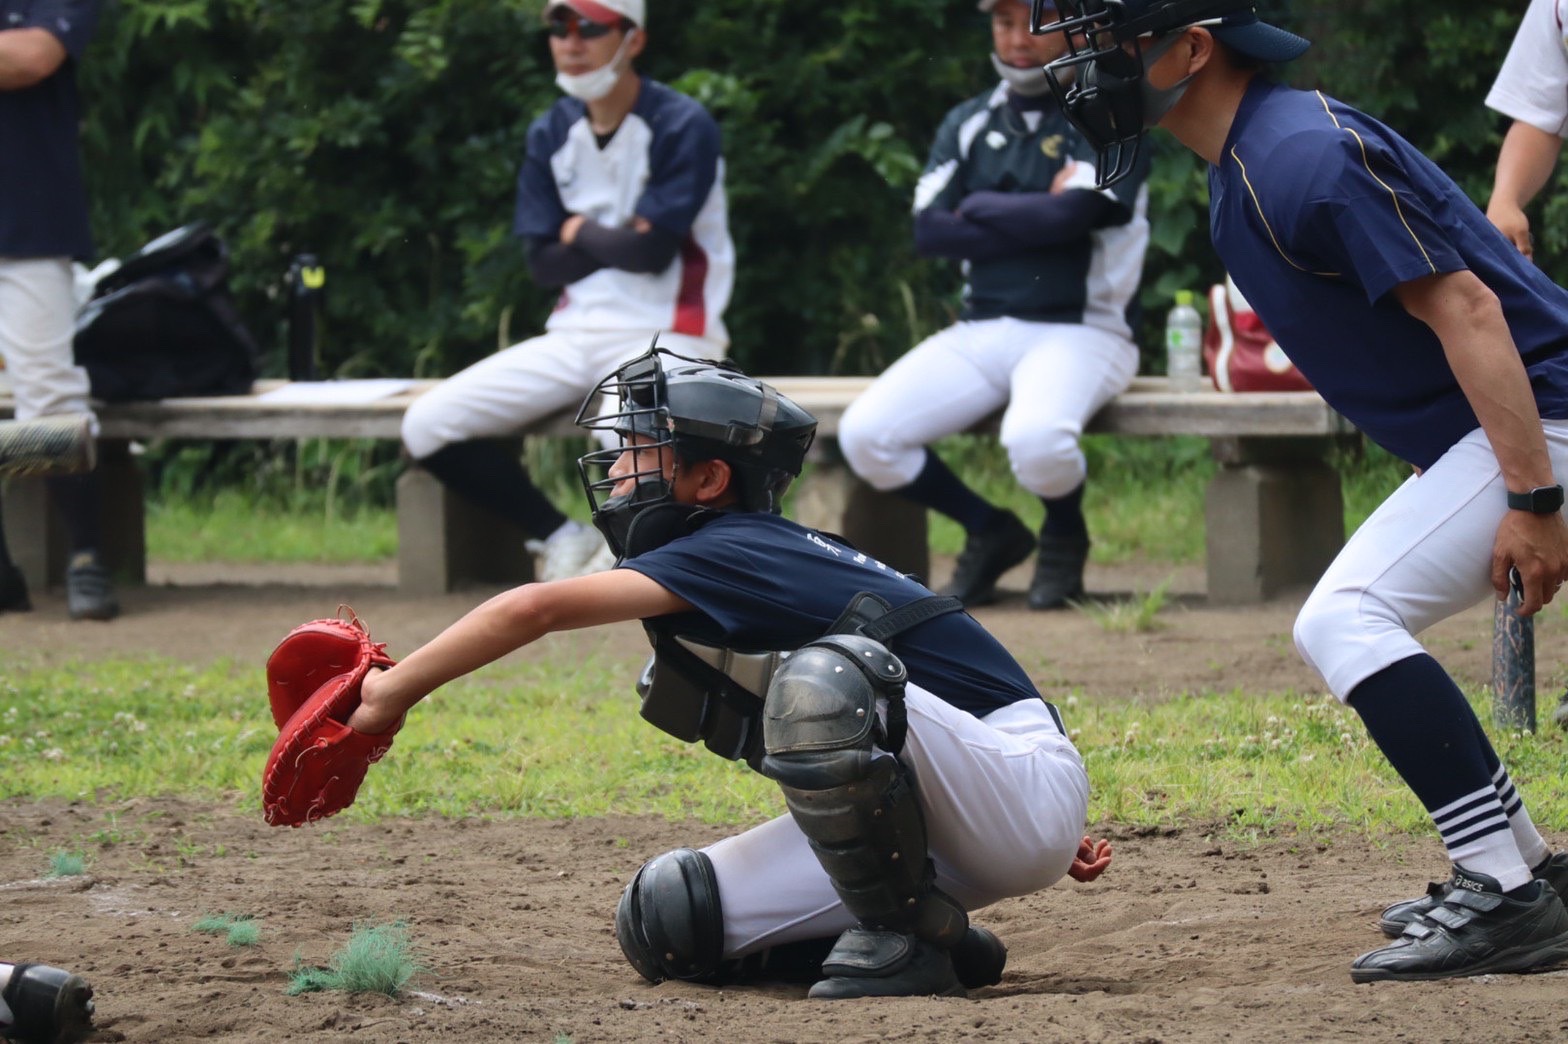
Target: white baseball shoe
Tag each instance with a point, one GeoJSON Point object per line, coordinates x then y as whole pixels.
{"type": "Point", "coordinates": [572, 550]}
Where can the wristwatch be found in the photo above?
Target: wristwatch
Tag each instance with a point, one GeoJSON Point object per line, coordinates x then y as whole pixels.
{"type": "Point", "coordinates": [1542, 500]}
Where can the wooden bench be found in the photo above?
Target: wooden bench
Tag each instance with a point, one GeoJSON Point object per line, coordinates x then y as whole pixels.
{"type": "Point", "coordinates": [1274, 512]}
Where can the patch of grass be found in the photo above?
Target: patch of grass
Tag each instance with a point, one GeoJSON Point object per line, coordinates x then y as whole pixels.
{"type": "Point", "coordinates": [558, 735]}
{"type": "Point", "coordinates": [376, 959]}
{"type": "Point", "coordinates": [237, 929]}
{"type": "Point", "coordinates": [1137, 615]}
{"type": "Point", "coordinates": [66, 864]}
{"type": "Point", "coordinates": [231, 525]}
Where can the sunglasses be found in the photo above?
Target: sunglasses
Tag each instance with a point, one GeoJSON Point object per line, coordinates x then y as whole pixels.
{"type": "Point", "coordinates": [561, 28]}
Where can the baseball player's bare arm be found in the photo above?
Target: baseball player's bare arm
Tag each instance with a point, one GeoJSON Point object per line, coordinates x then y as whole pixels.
{"type": "Point", "coordinates": [506, 622]}
{"type": "Point", "coordinates": [27, 57]}
{"type": "Point", "coordinates": [1468, 319]}
{"type": "Point", "coordinates": [1523, 167]}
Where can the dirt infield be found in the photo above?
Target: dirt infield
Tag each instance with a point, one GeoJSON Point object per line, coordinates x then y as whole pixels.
{"type": "Point", "coordinates": [1186, 938]}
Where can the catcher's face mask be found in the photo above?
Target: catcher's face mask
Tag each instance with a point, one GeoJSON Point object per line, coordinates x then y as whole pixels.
{"type": "Point", "coordinates": [625, 479]}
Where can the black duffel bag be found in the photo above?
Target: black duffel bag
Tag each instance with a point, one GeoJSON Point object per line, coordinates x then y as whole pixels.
{"type": "Point", "coordinates": [163, 324]}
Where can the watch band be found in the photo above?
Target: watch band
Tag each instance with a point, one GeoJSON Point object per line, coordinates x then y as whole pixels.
{"type": "Point", "coordinates": [1542, 500]}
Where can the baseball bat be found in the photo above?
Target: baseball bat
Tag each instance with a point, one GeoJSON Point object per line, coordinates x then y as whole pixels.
{"type": "Point", "coordinates": [47, 446]}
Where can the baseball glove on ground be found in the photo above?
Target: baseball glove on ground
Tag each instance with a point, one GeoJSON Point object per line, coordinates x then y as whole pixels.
{"type": "Point", "coordinates": [313, 681]}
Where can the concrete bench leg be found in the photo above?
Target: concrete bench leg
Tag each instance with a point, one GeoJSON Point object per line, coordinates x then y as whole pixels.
{"type": "Point", "coordinates": [885, 526]}
{"type": "Point", "coordinates": [37, 539]}
{"type": "Point", "coordinates": [1275, 518]}
{"type": "Point", "coordinates": [445, 543]}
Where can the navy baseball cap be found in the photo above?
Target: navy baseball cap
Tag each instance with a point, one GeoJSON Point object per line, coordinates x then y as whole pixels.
{"type": "Point", "coordinates": [1242, 31]}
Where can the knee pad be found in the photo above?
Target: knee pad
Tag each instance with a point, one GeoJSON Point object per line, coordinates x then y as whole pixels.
{"type": "Point", "coordinates": [856, 804]}
{"type": "Point", "coordinates": [669, 922]}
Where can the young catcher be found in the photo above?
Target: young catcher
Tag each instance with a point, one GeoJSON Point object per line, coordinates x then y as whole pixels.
{"type": "Point", "coordinates": [924, 774]}
{"type": "Point", "coordinates": [1420, 322]}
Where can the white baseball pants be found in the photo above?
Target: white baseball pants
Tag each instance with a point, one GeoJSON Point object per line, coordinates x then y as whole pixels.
{"type": "Point", "coordinates": [1423, 555]}
{"type": "Point", "coordinates": [1051, 376]}
{"type": "Point", "coordinates": [1004, 797]}
{"type": "Point", "coordinates": [505, 392]}
{"type": "Point", "coordinates": [37, 325]}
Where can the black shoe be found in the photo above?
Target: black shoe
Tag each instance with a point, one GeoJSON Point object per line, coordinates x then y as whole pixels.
{"type": "Point", "coordinates": [89, 591]}
{"type": "Point", "coordinates": [48, 1005]}
{"type": "Point", "coordinates": [13, 590]}
{"type": "Point", "coordinates": [1058, 572]}
{"type": "Point", "coordinates": [979, 958]}
{"type": "Point", "coordinates": [986, 556]}
{"type": "Point", "coordinates": [1475, 930]}
{"type": "Point", "coordinates": [867, 962]}
{"type": "Point", "coordinates": [1554, 871]}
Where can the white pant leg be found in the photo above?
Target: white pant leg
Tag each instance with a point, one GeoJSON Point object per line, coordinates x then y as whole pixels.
{"type": "Point", "coordinates": [37, 324]}
{"type": "Point", "coordinates": [504, 393]}
{"type": "Point", "coordinates": [1004, 800]}
{"type": "Point", "coordinates": [1061, 382]}
{"type": "Point", "coordinates": [944, 384]}
{"type": "Point", "coordinates": [1423, 555]}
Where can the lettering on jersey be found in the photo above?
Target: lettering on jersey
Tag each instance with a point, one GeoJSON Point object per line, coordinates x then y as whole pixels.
{"type": "Point", "coordinates": [1052, 146]}
{"type": "Point", "coordinates": [824, 545]}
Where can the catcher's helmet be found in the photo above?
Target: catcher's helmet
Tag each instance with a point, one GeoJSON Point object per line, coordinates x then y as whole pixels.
{"type": "Point", "coordinates": [698, 409]}
{"type": "Point", "coordinates": [1100, 81]}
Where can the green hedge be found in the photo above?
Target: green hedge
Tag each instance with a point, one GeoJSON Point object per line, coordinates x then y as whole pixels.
{"type": "Point", "coordinates": [385, 137]}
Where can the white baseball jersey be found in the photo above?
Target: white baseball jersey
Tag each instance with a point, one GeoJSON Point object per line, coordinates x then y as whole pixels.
{"type": "Point", "coordinates": [1532, 85]}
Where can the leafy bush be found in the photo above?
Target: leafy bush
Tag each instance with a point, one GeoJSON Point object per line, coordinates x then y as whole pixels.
{"type": "Point", "coordinates": [385, 135]}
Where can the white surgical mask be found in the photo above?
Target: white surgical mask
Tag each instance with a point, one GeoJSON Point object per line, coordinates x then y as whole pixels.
{"type": "Point", "coordinates": [591, 86]}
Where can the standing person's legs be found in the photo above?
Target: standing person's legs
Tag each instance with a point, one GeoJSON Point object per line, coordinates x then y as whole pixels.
{"type": "Point", "coordinates": [945, 384]}
{"type": "Point", "coordinates": [1422, 556]}
{"type": "Point", "coordinates": [37, 308]}
{"type": "Point", "coordinates": [1059, 384]}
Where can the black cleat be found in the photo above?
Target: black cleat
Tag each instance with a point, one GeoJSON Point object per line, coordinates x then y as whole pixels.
{"type": "Point", "coordinates": [89, 591]}
{"type": "Point", "coordinates": [986, 556]}
{"type": "Point", "coordinates": [979, 958]}
{"type": "Point", "coordinates": [1058, 572]}
{"type": "Point", "coordinates": [13, 590]}
{"type": "Point", "coordinates": [1475, 930]}
{"type": "Point", "coordinates": [1554, 871]}
{"type": "Point", "coordinates": [868, 962]}
{"type": "Point", "coordinates": [48, 1005]}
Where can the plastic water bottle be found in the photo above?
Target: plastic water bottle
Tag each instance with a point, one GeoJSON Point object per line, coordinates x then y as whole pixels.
{"type": "Point", "coordinates": [1184, 345]}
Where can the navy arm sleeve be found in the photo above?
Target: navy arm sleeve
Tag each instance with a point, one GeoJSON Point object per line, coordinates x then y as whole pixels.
{"type": "Point", "coordinates": [943, 233]}
{"type": "Point", "coordinates": [554, 263]}
{"type": "Point", "coordinates": [626, 248]}
{"type": "Point", "coordinates": [70, 21]}
{"type": "Point", "coordinates": [1041, 219]}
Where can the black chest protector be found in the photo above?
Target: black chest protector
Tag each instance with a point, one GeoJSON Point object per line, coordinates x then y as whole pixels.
{"type": "Point", "coordinates": [695, 690]}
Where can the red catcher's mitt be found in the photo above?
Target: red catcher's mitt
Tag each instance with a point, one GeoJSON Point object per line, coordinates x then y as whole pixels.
{"type": "Point", "coordinates": [313, 681]}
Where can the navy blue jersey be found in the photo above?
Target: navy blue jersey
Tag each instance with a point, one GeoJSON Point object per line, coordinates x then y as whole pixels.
{"type": "Point", "coordinates": [43, 201]}
{"type": "Point", "coordinates": [989, 144]}
{"type": "Point", "coordinates": [1318, 211]}
{"type": "Point", "coordinates": [761, 582]}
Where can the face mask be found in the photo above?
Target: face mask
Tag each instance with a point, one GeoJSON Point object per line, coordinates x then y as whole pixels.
{"type": "Point", "coordinates": [1157, 102]}
{"type": "Point", "coordinates": [1027, 83]}
{"type": "Point", "coordinates": [591, 86]}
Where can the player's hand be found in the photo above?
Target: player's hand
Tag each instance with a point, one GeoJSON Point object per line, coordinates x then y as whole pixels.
{"type": "Point", "coordinates": [570, 227]}
{"type": "Point", "coordinates": [1511, 222]}
{"type": "Point", "coordinates": [1063, 176]}
{"type": "Point", "coordinates": [375, 714]}
{"type": "Point", "coordinates": [1092, 859]}
{"type": "Point", "coordinates": [1537, 547]}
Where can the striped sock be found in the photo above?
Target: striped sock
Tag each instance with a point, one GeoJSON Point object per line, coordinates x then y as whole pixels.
{"type": "Point", "coordinates": [1475, 832]}
{"type": "Point", "coordinates": [1531, 844]}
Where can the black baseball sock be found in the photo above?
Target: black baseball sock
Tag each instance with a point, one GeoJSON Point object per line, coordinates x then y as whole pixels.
{"type": "Point", "coordinates": [1425, 728]}
{"type": "Point", "coordinates": [494, 479]}
{"type": "Point", "coordinates": [940, 490]}
{"type": "Point", "coordinates": [1064, 516]}
{"type": "Point", "coordinates": [79, 499]}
